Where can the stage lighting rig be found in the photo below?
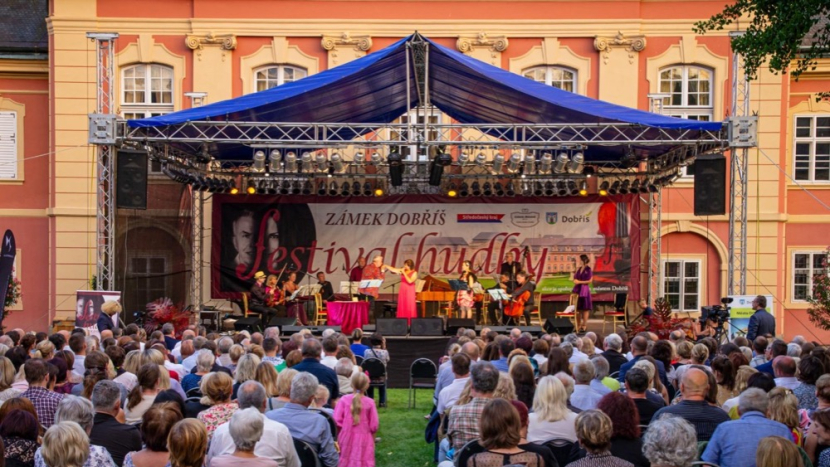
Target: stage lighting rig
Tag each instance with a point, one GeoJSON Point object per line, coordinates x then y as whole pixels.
{"type": "Point", "coordinates": [476, 189]}
{"type": "Point", "coordinates": [603, 188]}
{"type": "Point", "coordinates": [291, 162]}
{"type": "Point", "coordinates": [463, 159]}
{"type": "Point", "coordinates": [436, 168]}
{"type": "Point", "coordinates": [546, 163]}
{"type": "Point", "coordinates": [481, 159]}
{"type": "Point", "coordinates": [396, 168]}
{"type": "Point", "coordinates": [577, 163]}
{"type": "Point", "coordinates": [583, 189]}
{"type": "Point", "coordinates": [321, 163]}
{"type": "Point", "coordinates": [337, 164]}
{"type": "Point", "coordinates": [530, 164]}
{"type": "Point", "coordinates": [498, 164]}
{"type": "Point", "coordinates": [561, 165]}
{"type": "Point", "coordinates": [251, 189]}
{"type": "Point", "coordinates": [305, 163]}
{"type": "Point", "coordinates": [513, 163]}
{"type": "Point", "coordinates": [488, 189]}
{"type": "Point", "coordinates": [274, 161]}
{"type": "Point", "coordinates": [367, 189]}
{"type": "Point", "coordinates": [499, 189]}
{"type": "Point", "coordinates": [259, 162]}
{"type": "Point", "coordinates": [464, 191]}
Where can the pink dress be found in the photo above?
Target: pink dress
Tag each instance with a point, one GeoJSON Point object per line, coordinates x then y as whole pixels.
{"type": "Point", "coordinates": [357, 442]}
{"type": "Point", "coordinates": [406, 299]}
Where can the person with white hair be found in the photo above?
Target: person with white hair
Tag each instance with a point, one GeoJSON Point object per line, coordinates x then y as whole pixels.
{"type": "Point", "coordinates": [79, 410]}
{"type": "Point", "coordinates": [577, 355]}
{"type": "Point", "coordinates": [272, 332]}
{"type": "Point", "coordinates": [225, 343]}
{"type": "Point", "coordinates": [794, 350]}
{"type": "Point", "coordinates": [670, 442]}
{"type": "Point", "coordinates": [328, 332]}
{"type": "Point", "coordinates": [584, 396]}
{"type": "Point", "coordinates": [613, 353]}
{"type": "Point", "coordinates": [245, 428]}
{"type": "Point", "coordinates": [601, 382]}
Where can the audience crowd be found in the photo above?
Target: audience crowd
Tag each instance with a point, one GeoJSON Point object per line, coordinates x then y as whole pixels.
{"type": "Point", "coordinates": [126, 398]}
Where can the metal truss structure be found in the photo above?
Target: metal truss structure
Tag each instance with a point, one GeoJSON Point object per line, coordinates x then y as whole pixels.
{"type": "Point", "coordinates": [197, 222]}
{"type": "Point", "coordinates": [102, 128]}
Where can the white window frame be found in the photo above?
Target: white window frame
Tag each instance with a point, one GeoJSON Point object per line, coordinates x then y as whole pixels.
{"type": "Point", "coordinates": [812, 271]}
{"type": "Point", "coordinates": [684, 110]}
{"type": "Point", "coordinates": [812, 140]}
{"type": "Point", "coordinates": [281, 68]}
{"type": "Point", "coordinates": [682, 280]}
{"type": "Point", "coordinates": [9, 145]}
{"type": "Point", "coordinates": [549, 72]}
{"type": "Point", "coordinates": [418, 114]}
{"type": "Point", "coordinates": [147, 108]}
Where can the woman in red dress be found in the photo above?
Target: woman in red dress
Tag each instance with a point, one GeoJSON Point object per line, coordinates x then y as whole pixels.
{"type": "Point", "coordinates": [406, 294]}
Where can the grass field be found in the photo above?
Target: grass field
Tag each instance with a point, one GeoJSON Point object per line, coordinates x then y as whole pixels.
{"type": "Point", "coordinates": [401, 431]}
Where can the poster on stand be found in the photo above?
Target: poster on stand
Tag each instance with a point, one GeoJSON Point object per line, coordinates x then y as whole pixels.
{"type": "Point", "coordinates": [89, 307]}
{"type": "Point", "coordinates": [740, 310]}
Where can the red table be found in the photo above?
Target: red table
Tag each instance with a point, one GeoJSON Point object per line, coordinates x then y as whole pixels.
{"type": "Point", "coordinates": [348, 315]}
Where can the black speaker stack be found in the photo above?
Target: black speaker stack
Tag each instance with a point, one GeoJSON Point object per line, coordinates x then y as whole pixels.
{"type": "Point", "coordinates": [131, 179]}
{"type": "Point", "coordinates": [710, 185]}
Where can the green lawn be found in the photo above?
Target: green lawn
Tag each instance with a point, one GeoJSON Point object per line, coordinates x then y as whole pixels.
{"type": "Point", "coordinates": [402, 431]}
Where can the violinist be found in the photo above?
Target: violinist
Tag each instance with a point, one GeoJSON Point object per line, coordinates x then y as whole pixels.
{"type": "Point", "coordinates": [258, 301]}
{"type": "Point", "coordinates": [272, 291]}
{"type": "Point", "coordinates": [504, 284]}
{"type": "Point", "coordinates": [525, 284]}
{"type": "Point", "coordinates": [295, 308]}
{"type": "Point", "coordinates": [466, 298]}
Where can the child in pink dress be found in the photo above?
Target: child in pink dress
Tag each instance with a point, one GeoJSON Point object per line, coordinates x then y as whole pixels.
{"type": "Point", "coordinates": [357, 422]}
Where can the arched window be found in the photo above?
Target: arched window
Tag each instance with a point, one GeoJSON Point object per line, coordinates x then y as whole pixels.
{"type": "Point", "coordinates": [147, 91]}
{"type": "Point", "coordinates": [275, 75]}
{"type": "Point", "coordinates": [690, 90]}
{"type": "Point", "coordinates": [556, 76]}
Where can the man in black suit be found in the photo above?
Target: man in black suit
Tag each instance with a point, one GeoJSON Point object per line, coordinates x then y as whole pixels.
{"type": "Point", "coordinates": [116, 437]}
{"type": "Point", "coordinates": [326, 290]}
{"type": "Point", "coordinates": [510, 268]}
{"type": "Point", "coordinates": [761, 323]}
{"type": "Point", "coordinates": [613, 349]}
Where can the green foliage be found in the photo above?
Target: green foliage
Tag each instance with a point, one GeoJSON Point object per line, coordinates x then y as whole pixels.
{"type": "Point", "coordinates": [819, 311]}
{"type": "Point", "coordinates": [775, 32]}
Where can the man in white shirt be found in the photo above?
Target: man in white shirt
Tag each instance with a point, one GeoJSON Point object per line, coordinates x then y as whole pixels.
{"type": "Point", "coordinates": [77, 342]}
{"type": "Point", "coordinates": [784, 369]}
{"type": "Point", "coordinates": [450, 394]}
{"type": "Point", "coordinates": [177, 350]}
{"type": "Point", "coordinates": [584, 397]}
{"type": "Point", "coordinates": [577, 355]}
{"type": "Point", "coordinates": [190, 361]}
{"type": "Point", "coordinates": [224, 359]}
{"type": "Point", "coordinates": [329, 351]}
{"type": "Point", "coordinates": [276, 442]}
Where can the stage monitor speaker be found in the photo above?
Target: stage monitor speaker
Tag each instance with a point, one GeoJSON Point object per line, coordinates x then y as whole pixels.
{"type": "Point", "coordinates": [281, 322]}
{"type": "Point", "coordinates": [427, 327]}
{"type": "Point", "coordinates": [131, 179]}
{"type": "Point", "coordinates": [391, 326]}
{"type": "Point", "coordinates": [561, 326]}
{"type": "Point", "coordinates": [250, 324]}
{"type": "Point", "coordinates": [289, 330]}
{"type": "Point", "coordinates": [535, 331]}
{"type": "Point", "coordinates": [710, 185]}
{"type": "Point", "coordinates": [455, 323]}
{"type": "Point", "coordinates": [500, 329]}
{"type": "Point", "coordinates": [318, 330]}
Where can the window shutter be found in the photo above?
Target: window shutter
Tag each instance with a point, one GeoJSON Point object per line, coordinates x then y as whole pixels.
{"type": "Point", "coordinates": [8, 145]}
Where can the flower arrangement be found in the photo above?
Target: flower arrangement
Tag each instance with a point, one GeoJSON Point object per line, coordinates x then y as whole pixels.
{"type": "Point", "coordinates": [662, 322]}
{"type": "Point", "coordinates": [819, 311]}
{"type": "Point", "coordinates": [164, 311]}
{"type": "Point", "coordinates": [14, 292]}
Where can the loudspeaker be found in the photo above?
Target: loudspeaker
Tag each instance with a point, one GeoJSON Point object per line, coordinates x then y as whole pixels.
{"type": "Point", "coordinates": [535, 331]}
{"type": "Point", "coordinates": [250, 324]}
{"type": "Point", "coordinates": [560, 326]}
{"type": "Point", "coordinates": [289, 330]}
{"type": "Point", "coordinates": [455, 323]}
{"type": "Point", "coordinates": [281, 322]}
{"type": "Point", "coordinates": [318, 330]}
{"type": "Point", "coordinates": [427, 327]}
{"type": "Point", "coordinates": [710, 185]}
{"type": "Point", "coordinates": [131, 179]}
{"type": "Point", "coordinates": [391, 326]}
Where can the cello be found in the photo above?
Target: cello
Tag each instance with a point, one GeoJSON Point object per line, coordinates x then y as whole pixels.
{"type": "Point", "coordinates": [516, 307]}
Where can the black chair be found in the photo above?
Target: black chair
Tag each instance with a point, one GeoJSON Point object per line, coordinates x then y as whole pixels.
{"type": "Point", "coordinates": [377, 374]}
{"type": "Point", "coordinates": [561, 449]}
{"type": "Point", "coordinates": [307, 454]}
{"type": "Point", "coordinates": [193, 392]}
{"type": "Point", "coordinates": [643, 429]}
{"type": "Point", "coordinates": [421, 369]}
{"type": "Point", "coordinates": [466, 452]}
{"type": "Point", "coordinates": [358, 360]}
{"type": "Point", "coordinates": [330, 420]}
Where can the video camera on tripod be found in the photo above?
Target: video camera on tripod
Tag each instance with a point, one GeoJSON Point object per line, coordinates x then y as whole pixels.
{"type": "Point", "coordinates": [718, 313]}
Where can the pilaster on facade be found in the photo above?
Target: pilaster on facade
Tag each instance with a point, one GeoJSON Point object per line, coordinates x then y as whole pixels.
{"type": "Point", "coordinates": [199, 42]}
{"type": "Point", "coordinates": [212, 64]}
{"type": "Point", "coordinates": [345, 47]}
{"type": "Point", "coordinates": [483, 47]}
{"type": "Point", "coordinates": [618, 76]}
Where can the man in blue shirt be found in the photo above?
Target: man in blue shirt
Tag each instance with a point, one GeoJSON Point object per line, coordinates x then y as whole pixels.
{"type": "Point", "coordinates": [311, 350]}
{"type": "Point", "coordinates": [307, 425]}
{"type": "Point", "coordinates": [778, 348]}
{"type": "Point", "coordinates": [639, 348]}
{"type": "Point", "coordinates": [734, 443]}
{"type": "Point", "coordinates": [505, 347]}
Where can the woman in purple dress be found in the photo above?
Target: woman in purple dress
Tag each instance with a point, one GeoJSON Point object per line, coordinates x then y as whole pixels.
{"type": "Point", "coordinates": [582, 279]}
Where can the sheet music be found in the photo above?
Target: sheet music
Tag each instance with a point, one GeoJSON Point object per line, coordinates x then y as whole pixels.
{"type": "Point", "coordinates": [419, 285]}
{"type": "Point", "coordinates": [309, 290]}
{"type": "Point", "coordinates": [349, 287]}
{"type": "Point", "coordinates": [498, 294]}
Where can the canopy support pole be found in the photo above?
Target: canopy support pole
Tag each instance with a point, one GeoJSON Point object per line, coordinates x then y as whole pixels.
{"type": "Point", "coordinates": [655, 225]}
{"type": "Point", "coordinates": [739, 182]}
{"type": "Point", "coordinates": [197, 221]}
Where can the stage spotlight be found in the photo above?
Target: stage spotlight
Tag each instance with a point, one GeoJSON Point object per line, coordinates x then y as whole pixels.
{"type": "Point", "coordinates": [463, 158]}
{"type": "Point", "coordinates": [481, 159]}
{"type": "Point", "coordinates": [337, 163]}
{"type": "Point", "coordinates": [395, 168]}
{"type": "Point", "coordinates": [583, 189]}
{"type": "Point", "coordinates": [476, 189]}
{"type": "Point", "coordinates": [499, 189]}
{"type": "Point", "coordinates": [305, 163]}
{"type": "Point", "coordinates": [572, 188]}
{"type": "Point", "coordinates": [321, 189]}
{"type": "Point", "coordinates": [356, 188]}
{"type": "Point", "coordinates": [295, 188]}
{"type": "Point", "coordinates": [251, 189]}
{"type": "Point", "coordinates": [262, 187]}
{"type": "Point", "coordinates": [274, 161]}
{"type": "Point", "coordinates": [367, 189]}
{"type": "Point", "coordinates": [615, 188]}
{"type": "Point", "coordinates": [378, 191]}
{"type": "Point", "coordinates": [488, 189]}
{"type": "Point", "coordinates": [436, 168]}
{"type": "Point", "coordinates": [561, 163]}
{"type": "Point", "coordinates": [513, 163]}
{"type": "Point", "coordinates": [546, 163]}
{"type": "Point", "coordinates": [530, 164]}
{"type": "Point", "coordinates": [306, 188]}
{"type": "Point", "coordinates": [272, 187]}
{"type": "Point", "coordinates": [333, 189]}
{"type": "Point", "coordinates": [452, 193]}
{"type": "Point", "coordinates": [322, 165]}
{"type": "Point", "coordinates": [652, 187]}
{"type": "Point", "coordinates": [345, 189]}
{"type": "Point", "coordinates": [232, 189]}
{"type": "Point", "coordinates": [577, 163]}
{"type": "Point", "coordinates": [549, 189]}
{"type": "Point", "coordinates": [290, 162]}
{"type": "Point", "coordinates": [537, 189]}
{"type": "Point", "coordinates": [510, 191]}
{"type": "Point", "coordinates": [374, 159]}
{"type": "Point", "coordinates": [635, 185]}
{"type": "Point", "coordinates": [465, 190]}
{"type": "Point", "coordinates": [285, 188]}
{"type": "Point", "coordinates": [259, 161]}
{"type": "Point", "coordinates": [498, 163]}
{"type": "Point", "coordinates": [624, 186]}
{"type": "Point", "coordinates": [603, 189]}
{"type": "Point", "coordinates": [561, 188]}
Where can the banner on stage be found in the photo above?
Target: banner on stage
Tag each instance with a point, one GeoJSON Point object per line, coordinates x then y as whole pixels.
{"type": "Point", "coordinates": [8, 251]}
{"type": "Point", "coordinates": [267, 233]}
{"type": "Point", "coordinates": [89, 307]}
{"type": "Point", "coordinates": [740, 310]}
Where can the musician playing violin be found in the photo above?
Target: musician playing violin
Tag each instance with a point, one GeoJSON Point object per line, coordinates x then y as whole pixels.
{"type": "Point", "coordinates": [525, 284]}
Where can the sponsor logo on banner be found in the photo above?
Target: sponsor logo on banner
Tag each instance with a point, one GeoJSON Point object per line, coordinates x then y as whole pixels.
{"type": "Point", "coordinates": [480, 218]}
{"type": "Point", "coordinates": [551, 217]}
{"type": "Point", "coordinates": [525, 218]}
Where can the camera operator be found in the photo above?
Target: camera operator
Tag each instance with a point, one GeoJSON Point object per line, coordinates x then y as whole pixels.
{"type": "Point", "coordinates": [707, 328]}
{"type": "Point", "coordinates": [762, 323]}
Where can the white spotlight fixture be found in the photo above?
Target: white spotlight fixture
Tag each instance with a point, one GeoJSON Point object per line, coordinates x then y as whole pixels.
{"type": "Point", "coordinates": [481, 158]}
{"type": "Point", "coordinates": [321, 162]}
{"type": "Point", "coordinates": [530, 164]}
{"type": "Point", "coordinates": [290, 162]}
{"type": "Point", "coordinates": [463, 158]}
{"type": "Point", "coordinates": [274, 160]}
{"type": "Point", "coordinates": [375, 159]}
{"type": "Point", "coordinates": [546, 163]}
{"type": "Point", "coordinates": [513, 163]}
{"type": "Point", "coordinates": [561, 163]}
{"type": "Point", "coordinates": [577, 163]}
{"type": "Point", "coordinates": [498, 163]}
{"type": "Point", "coordinates": [259, 161]}
{"type": "Point", "coordinates": [337, 163]}
{"type": "Point", "coordinates": [306, 160]}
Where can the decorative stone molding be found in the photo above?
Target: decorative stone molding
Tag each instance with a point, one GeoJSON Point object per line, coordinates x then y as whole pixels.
{"type": "Point", "coordinates": [630, 44]}
{"type": "Point", "coordinates": [483, 47]}
{"type": "Point", "coordinates": [226, 41]}
{"type": "Point", "coordinates": [359, 45]}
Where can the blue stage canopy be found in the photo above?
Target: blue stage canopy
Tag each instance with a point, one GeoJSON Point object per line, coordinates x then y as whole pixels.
{"type": "Point", "coordinates": [373, 89]}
